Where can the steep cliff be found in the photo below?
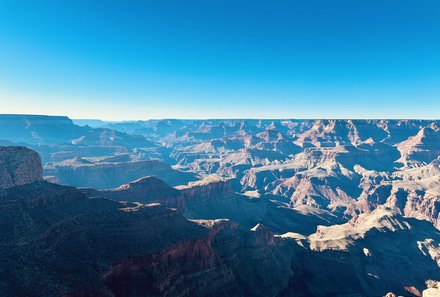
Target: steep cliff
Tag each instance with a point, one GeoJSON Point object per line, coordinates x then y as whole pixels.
{"type": "Point", "coordinates": [54, 241]}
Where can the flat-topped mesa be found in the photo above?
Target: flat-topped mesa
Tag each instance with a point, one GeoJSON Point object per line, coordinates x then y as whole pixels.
{"type": "Point", "coordinates": [19, 166]}
{"type": "Point", "coordinates": [211, 187]}
{"type": "Point", "coordinates": [24, 119]}
{"type": "Point", "coordinates": [39, 129]}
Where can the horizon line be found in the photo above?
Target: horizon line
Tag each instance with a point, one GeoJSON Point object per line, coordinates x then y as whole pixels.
{"type": "Point", "coordinates": [213, 119]}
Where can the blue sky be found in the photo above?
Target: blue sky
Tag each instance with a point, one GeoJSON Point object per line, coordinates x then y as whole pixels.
{"type": "Point", "coordinates": [217, 59]}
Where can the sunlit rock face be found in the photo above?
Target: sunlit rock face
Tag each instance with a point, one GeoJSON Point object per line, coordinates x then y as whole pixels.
{"type": "Point", "coordinates": [432, 290]}
{"type": "Point", "coordinates": [420, 149]}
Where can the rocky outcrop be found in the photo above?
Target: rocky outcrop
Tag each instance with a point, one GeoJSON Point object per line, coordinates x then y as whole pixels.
{"type": "Point", "coordinates": [54, 235]}
{"type": "Point", "coordinates": [413, 192]}
{"type": "Point", "coordinates": [19, 166]}
{"type": "Point", "coordinates": [421, 148]}
{"type": "Point", "coordinates": [328, 133]}
{"type": "Point", "coordinates": [432, 290]}
{"type": "Point", "coordinates": [209, 188]}
{"type": "Point", "coordinates": [214, 266]}
{"type": "Point", "coordinates": [371, 255]}
{"type": "Point", "coordinates": [74, 243]}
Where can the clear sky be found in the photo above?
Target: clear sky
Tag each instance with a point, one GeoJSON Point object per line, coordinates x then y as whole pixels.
{"type": "Point", "coordinates": [221, 58]}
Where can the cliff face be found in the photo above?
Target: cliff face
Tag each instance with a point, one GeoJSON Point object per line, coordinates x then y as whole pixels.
{"type": "Point", "coordinates": [54, 235]}
{"type": "Point", "coordinates": [19, 166]}
{"type": "Point", "coordinates": [370, 255]}
{"type": "Point", "coordinates": [413, 192]}
{"type": "Point", "coordinates": [206, 190]}
{"type": "Point", "coordinates": [70, 249]}
{"type": "Point", "coordinates": [76, 246]}
{"type": "Point", "coordinates": [95, 247]}
{"type": "Point", "coordinates": [421, 148]}
{"type": "Point", "coordinates": [373, 253]}
{"type": "Point", "coordinates": [217, 265]}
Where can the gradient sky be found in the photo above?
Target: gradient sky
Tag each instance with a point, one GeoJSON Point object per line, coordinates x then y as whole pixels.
{"type": "Point", "coordinates": [221, 58]}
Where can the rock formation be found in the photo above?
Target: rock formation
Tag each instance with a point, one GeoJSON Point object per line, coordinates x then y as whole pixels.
{"type": "Point", "coordinates": [373, 254]}
{"type": "Point", "coordinates": [78, 246]}
{"type": "Point", "coordinates": [432, 290]}
{"type": "Point", "coordinates": [421, 148]}
{"type": "Point", "coordinates": [19, 166]}
{"type": "Point", "coordinates": [259, 207]}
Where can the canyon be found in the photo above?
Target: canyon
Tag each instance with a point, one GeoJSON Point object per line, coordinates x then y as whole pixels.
{"type": "Point", "coordinates": [218, 207]}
